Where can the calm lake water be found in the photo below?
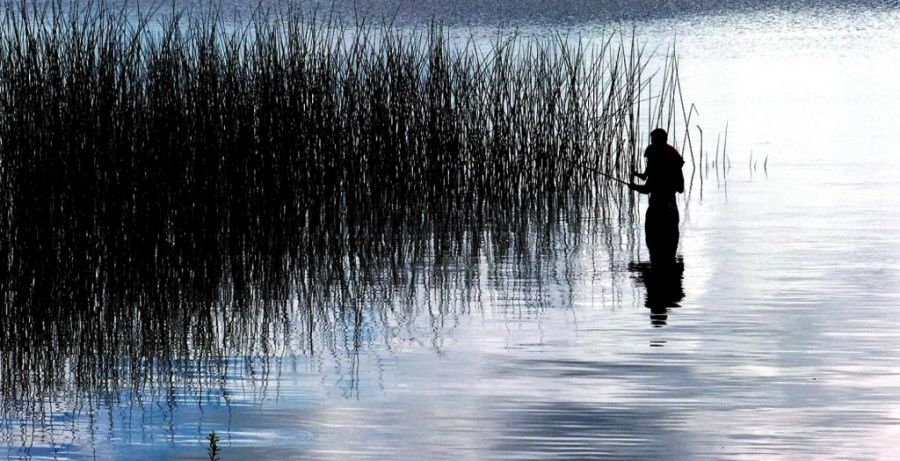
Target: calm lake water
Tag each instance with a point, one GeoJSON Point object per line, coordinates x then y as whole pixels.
{"type": "Point", "coordinates": [778, 341]}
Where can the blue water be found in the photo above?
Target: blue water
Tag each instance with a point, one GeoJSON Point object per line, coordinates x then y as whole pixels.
{"type": "Point", "coordinates": [779, 341]}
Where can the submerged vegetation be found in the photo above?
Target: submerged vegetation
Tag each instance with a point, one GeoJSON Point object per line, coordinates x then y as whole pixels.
{"type": "Point", "coordinates": [174, 187]}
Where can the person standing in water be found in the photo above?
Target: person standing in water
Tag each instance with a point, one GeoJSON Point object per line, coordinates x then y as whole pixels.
{"type": "Point", "coordinates": [662, 180]}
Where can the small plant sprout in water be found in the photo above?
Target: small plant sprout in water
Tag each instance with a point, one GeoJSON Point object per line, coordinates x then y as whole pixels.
{"type": "Point", "coordinates": [213, 449]}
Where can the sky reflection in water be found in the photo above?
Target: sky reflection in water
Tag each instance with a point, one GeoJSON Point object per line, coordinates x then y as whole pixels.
{"type": "Point", "coordinates": [781, 344]}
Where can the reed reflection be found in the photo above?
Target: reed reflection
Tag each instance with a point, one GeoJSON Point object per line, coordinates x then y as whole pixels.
{"type": "Point", "coordinates": [166, 337]}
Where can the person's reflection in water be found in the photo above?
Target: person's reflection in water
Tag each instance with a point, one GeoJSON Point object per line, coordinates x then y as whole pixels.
{"type": "Point", "coordinates": [664, 288]}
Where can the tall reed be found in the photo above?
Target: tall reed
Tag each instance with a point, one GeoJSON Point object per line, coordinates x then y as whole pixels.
{"type": "Point", "coordinates": [126, 143]}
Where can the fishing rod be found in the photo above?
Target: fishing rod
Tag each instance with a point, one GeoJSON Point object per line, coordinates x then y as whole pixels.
{"type": "Point", "coordinates": [594, 170]}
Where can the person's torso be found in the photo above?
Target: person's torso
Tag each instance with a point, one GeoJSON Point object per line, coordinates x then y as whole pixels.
{"type": "Point", "coordinates": [665, 178]}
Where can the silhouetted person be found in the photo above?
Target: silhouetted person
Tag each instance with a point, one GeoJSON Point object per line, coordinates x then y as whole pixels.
{"type": "Point", "coordinates": [663, 179]}
{"type": "Point", "coordinates": [664, 288]}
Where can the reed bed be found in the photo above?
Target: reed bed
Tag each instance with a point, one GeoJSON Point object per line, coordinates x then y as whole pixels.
{"type": "Point", "coordinates": [127, 143]}
{"type": "Point", "coordinates": [172, 190]}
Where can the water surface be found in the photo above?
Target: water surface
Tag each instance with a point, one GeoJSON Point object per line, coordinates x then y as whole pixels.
{"type": "Point", "coordinates": [776, 341]}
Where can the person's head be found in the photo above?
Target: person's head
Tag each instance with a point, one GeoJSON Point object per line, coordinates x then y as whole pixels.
{"type": "Point", "coordinates": [659, 136]}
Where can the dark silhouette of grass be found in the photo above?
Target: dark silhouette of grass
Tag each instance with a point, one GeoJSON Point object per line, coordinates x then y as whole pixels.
{"type": "Point", "coordinates": [126, 146]}
{"type": "Point", "coordinates": [213, 450]}
{"type": "Point", "coordinates": [215, 153]}
{"type": "Point", "coordinates": [176, 193]}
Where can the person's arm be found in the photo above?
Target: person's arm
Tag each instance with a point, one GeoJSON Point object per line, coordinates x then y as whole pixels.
{"type": "Point", "coordinates": [643, 176]}
{"type": "Point", "coordinates": [641, 188]}
{"type": "Point", "coordinates": [679, 185]}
